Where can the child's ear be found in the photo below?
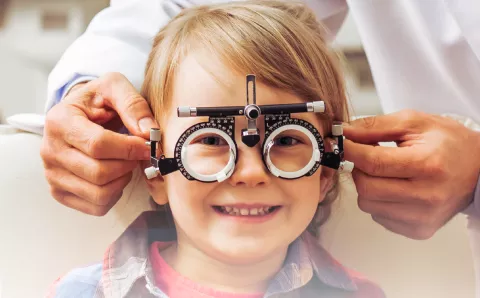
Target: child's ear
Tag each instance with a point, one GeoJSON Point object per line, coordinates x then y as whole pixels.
{"type": "Point", "coordinates": [326, 181]}
{"type": "Point", "coordinates": [156, 186]}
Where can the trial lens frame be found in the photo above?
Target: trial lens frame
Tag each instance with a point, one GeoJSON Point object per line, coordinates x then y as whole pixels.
{"type": "Point", "coordinates": [222, 122]}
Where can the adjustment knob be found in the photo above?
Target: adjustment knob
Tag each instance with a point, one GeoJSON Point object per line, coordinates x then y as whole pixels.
{"type": "Point", "coordinates": [155, 135]}
{"type": "Point", "coordinates": [337, 129]}
{"type": "Point", "coordinates": [252, 112]}
{"type": "Point", "coordinates": [318, 107]}
{"type": "Point", "coordinates": [347, 166]}
{"type": "Point", "coordinates": [151, 172]}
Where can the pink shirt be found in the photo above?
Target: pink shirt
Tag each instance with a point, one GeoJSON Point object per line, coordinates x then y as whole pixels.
{"type": "Point", "coordinates": [175, 285]}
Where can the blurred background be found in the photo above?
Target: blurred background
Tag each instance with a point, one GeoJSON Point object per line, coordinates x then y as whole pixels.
{"type": "Point", "coordinates": [33, 36]}
{"type": "Point", "coordinates": [35, 33]}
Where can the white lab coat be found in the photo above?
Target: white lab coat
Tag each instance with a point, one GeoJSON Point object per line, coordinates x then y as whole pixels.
{"type": "Point", "coordinates": [424, 54]}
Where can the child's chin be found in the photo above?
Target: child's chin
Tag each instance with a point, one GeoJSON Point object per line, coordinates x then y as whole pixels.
{"type": "Point", "coordinates": [243, 251]}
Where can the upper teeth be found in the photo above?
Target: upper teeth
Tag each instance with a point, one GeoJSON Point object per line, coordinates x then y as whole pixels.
{"type": "Point", "coordinates": [246, 211]}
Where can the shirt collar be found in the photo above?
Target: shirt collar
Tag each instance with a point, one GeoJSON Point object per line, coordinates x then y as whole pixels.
{"type": "Point", "coordinates": [127, 260]}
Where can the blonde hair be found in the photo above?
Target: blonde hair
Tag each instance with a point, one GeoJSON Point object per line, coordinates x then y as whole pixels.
{"type": "Point", "coordinates": [281, 42]}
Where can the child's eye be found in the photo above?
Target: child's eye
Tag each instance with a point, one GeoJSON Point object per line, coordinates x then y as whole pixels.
{"type": "Point", "coordinates": [286, 141]}
{"type": "Point", "coordinates": [212, 141]}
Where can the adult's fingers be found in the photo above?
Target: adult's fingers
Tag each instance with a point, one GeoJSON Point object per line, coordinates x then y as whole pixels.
{"type": "Point", "coordinates": [383, 189]}
{"type": "Point", "coordinates": [381, 161]}
{"type": "Point", "coordinates": [411, 231]}
{"type": "Point", "coordinates": [115, 124]}
{"type": "Point", "coordinates": [409, 214]}
{"type": "Point", "coordinates": [72, 201]}
{"type": "Point", "coordinates": [121, 95]}
{"type": "Point", "coordinates": [60, 179]}
{"type": "Point", "coordinates": [100, 143]}
{"type": "Point", "coordinates": [96, 171]}
{"type": "Point", "coordinates": [385, 128]}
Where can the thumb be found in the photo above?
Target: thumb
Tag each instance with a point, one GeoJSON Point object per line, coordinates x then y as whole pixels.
{"type": "Point", "coordinates": [383, 128]}
{"type": "Point", "coordinates": [119, 94]}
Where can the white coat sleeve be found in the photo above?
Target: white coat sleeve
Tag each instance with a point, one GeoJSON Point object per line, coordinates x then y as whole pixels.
{"type": "Point", "coordinates": [119, 39]}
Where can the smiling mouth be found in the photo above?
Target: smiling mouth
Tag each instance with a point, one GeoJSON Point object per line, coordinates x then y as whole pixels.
{"type": "Point", "coordinates": [234, 211]}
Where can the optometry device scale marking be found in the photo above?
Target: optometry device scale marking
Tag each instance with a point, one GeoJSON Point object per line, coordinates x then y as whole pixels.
{"type": "Point", "coordinates": [215, 162]}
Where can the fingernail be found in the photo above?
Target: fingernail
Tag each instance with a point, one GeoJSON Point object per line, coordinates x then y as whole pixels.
{"type": "Point", "coordinates": [146, 124]}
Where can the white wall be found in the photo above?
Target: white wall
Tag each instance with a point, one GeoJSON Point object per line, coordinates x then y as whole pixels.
{"type": "Point", "coordinates": [27, 54]}
{"type": "Point", "coordinates": [364, 101]}
{"type": "Point", "coordinates": [22, 85]}
{"type": "Point", "coordinates": [348, 36]}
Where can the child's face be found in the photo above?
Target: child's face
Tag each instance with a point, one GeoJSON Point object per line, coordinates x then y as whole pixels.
{"type": "Point", "coordinates": [229, 238]}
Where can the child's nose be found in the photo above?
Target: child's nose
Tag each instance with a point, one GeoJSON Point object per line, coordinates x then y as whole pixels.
{"type": "Point", "coordinates": [250, 170]}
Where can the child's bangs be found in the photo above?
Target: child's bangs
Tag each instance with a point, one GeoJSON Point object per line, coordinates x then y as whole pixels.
{"type": "Point", "coordinates": [256, 42]}
{"type": "Point", "coordinates": [281, 43]}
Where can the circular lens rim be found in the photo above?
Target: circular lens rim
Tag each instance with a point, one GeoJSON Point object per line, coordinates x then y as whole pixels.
{"type": "Point", "coordinates": [294, 124]}
{"type": "Point", "coordinates": [223, 174]}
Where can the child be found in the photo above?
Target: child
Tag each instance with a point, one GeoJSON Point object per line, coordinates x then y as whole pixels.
{"type": "Point", "coordinates": [253, 233]}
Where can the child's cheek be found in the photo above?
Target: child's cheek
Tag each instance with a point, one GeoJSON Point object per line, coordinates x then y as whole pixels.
{"type": "Point", "coordinates": [185, 194]}
{"type": "Point", "coordinates": [189, 205]}
{"type": "Point", "coordinates": [306, 190]}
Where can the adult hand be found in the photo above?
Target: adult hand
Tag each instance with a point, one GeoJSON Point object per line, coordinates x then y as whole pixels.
{"type": "Point", "coordinates": [415, 188]}
{"type": "Point", "coordinates": [87, 163]}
